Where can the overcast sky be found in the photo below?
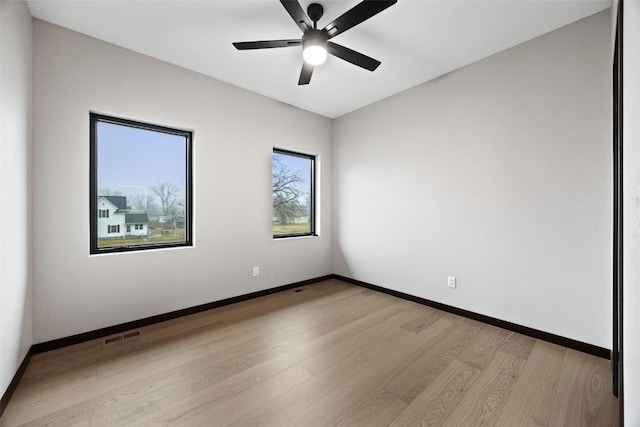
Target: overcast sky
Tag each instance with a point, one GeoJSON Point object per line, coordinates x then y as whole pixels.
{"type": "Point", "coordinates": [131, 159]}
{"type": "Point", "coordinates": [297, 164]}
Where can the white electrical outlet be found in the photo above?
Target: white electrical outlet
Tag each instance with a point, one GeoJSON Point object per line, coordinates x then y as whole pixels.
{"type": "Point", "coordinates": [451, 281]}
{"type": "Point", "coordinates": [256, 271]}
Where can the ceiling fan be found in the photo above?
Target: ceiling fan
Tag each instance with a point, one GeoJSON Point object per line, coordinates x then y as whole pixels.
{"type": "Point", "coordinates": [315, 43]}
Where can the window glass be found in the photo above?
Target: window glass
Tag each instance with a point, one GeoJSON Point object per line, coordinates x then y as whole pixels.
{"type": "Point", "coordinates": [293, 184]}
{"type": "Point", "coordinates": [140, 185]}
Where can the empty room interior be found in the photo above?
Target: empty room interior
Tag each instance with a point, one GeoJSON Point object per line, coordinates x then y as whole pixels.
{"type": "Point", "coordinates": [451, 236]}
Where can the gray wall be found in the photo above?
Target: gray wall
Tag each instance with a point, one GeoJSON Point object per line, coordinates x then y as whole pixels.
{"type": "Point", "coordinates": [234, 134]}
{"type": "Point", "coordinates": [15, 187]}
{"type": "Point", "coordinates": [499, 174]}
{"type": "Point", "coordinates": [631, 212]}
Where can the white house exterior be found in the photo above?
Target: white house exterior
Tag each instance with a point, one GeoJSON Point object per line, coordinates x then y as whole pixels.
{"type": "Point", "coordinates": [136, 224]}
{"type": "Point", "coordinates": [115, 219]}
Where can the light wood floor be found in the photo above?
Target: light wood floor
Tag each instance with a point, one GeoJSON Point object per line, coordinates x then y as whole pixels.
{"type": "Point", "coordinates": [332, 354]}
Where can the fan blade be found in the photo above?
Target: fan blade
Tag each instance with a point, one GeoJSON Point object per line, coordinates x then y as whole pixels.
{"type": "Point", "coordinates": [305, 74]}
{"type": "Point", "coordinates": [297, 13]}
{"type": "Point", "coordinates": [268, 44]}
{"type": "Point", "coordinates": [358, 14]}
{"type": "Point", "coordinates": [356, 58]}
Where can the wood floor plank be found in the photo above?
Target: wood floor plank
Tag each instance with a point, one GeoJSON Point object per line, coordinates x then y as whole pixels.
{"type": "Point", "coordinates": [486, 398]}
{"type": "Point", "coordinates": [66, 382]}
{"type": "Point", "coordinates": [358, 391]}
{"type": "Point", "coordinates": [54, 399]}
{"type": "Point", "coordinates": [331, 354]}
{"type": "Point", "coordinates": [316, 329]}
{"type": "Point", "coordinates": [584, 393]}
{"type": "Point", "coordinates": [531, 400]}
{"type": "Point", "coordinates": [215, 368]}
{"type": "Point", "coordinates": [434, 405]}
{"type": "Point", "coordinates": [225, 411]}
{"type": "Point", "coordinates": [422, 318]}
{"type": "Point", "coordinates": [353, 369]}
{"type": "Point", "coordinates": [487, 343]}
{"type": "Point", "coordinates": [195, 381]}
{"type": "Point", "coordinates": [430, 363]}
{"type": "Point", "coordinates": [174, 401]}
{"type": "Point", "coordinates": [380, 409]}
{"type": "Point", "coordinates": [518, 345]}
{"type": "Point", "coordinates": [180, 398]}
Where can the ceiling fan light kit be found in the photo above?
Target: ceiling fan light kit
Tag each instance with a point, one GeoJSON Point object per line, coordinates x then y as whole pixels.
{"type": "Point", "coordinates": [315, 43]}
{"type": "Point", "coordinates": [314, 47]}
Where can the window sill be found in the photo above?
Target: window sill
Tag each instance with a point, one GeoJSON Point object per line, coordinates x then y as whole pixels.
{"type": "Point", "coordinates": [306, 236]}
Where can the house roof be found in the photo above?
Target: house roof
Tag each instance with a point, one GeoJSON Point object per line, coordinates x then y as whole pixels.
{"type": "Point", "coordinates": [139, 218]}
{"type": "Point", "coordinates": [136, 218]}
{"type": "Point", "coordinates": [119, 202]}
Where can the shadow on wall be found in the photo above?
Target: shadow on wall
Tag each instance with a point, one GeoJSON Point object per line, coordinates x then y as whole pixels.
{"type": "Point", "coordinates": [340, 265]}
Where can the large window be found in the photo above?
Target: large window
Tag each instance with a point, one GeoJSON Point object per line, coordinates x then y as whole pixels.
{"type": "Point", "coordinates": [293, 180]}
{"type": "Point", "coordinates": [140, 186]}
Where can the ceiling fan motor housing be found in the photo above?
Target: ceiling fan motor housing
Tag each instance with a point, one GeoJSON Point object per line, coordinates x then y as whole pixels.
{"type": "Point", "coordinates": [315, 12]}
{"type": "Point", "coordinates": [314, 38]}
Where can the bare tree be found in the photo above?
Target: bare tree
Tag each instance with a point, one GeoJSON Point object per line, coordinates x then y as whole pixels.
{"type": "Point", "coordinates": [287, 191]}
{"type": "Point", "coordinates": [109, 192]}
{"type": "Point", "coordinates": [168, 195]}
{"type": "Point", "coordinates": [144, 202]}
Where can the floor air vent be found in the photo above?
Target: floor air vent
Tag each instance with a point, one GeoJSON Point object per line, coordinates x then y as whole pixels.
{"type": "Point", "coordinates": [122, 337]}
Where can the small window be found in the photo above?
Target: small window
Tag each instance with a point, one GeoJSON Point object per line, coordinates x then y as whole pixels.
{"type": "Point", "coordinates": [140, 181]}
{"type": "Point", "coordinates": [293, 183]}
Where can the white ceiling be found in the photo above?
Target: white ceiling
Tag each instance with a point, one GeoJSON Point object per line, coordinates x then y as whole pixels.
{"type": "Point", "coordinates": [416, 40]}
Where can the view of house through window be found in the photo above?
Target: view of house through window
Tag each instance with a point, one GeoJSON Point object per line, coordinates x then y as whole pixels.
{"type": "Point", "coordinates": [293, 194]}
{"type": "Point", "coordinates": [140, 185]}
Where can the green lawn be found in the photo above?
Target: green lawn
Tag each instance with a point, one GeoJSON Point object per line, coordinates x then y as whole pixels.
{"type": "Point", "coordinates": [291, 228]}
{"type": "Point", "coordinates": [157, 236]}
{"type": "Point", "coordinates": [177, 235]}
